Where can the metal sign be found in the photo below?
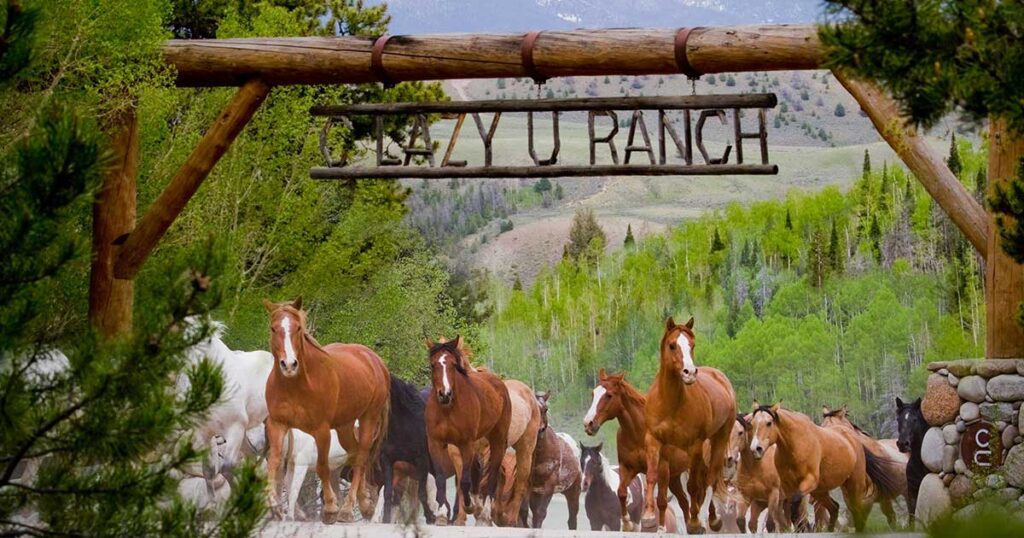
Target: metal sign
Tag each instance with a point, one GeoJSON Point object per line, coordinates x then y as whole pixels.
{"type": "Point", "coordinates": [419, 157]}
{"type": "Point", "coordinates": [979, 446]}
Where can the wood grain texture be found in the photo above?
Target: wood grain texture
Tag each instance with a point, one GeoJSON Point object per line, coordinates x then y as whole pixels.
{"type": "Point", "coordinates": [927, 165]}
{"type": "Point", "coordinates": [1004, 278]}
{"type": "Point", "coordinates": [162, 212]}
{"type": "Point", "coordinates": [113, 216]}
{"type": "Point", "coordinates": [618, 51]}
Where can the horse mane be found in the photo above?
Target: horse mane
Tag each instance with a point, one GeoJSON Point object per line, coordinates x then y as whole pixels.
{"type": "Point", "coordinates": [461, 350]}
{"type": "Point", "coordinates": [767, 409]}
{"type": "Point", "coordinates": [405, 395]}
{"type": "Point", "coordinates": [631, 392]}
{"type": "Point", "coordinates": [742, 419]}
{"type": "Point", "coordinates": [836, 412]}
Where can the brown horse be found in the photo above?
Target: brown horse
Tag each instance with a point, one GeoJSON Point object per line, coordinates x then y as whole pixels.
{"type": "Point", "coordinates": [556, 469]}
{"type": "Point", "coordinates": [616, 399]}
{"type": "Point", "coordinates": [693, 411]}
{"type": "Point", "coordinates": [322, 388]}
{"type": "Point", "coordinates": [470, 408]}
{"type": "Point", "coordinates": [812, 461]}
{"type": "Point", "coordinates": [756, 479]}
{"type": "Point", "coordinates": [895, 464]}
{"type": "Point", "coordinates": [522, 437]}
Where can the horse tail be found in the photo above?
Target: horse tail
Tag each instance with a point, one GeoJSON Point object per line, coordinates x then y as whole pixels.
{"type": "Point", "coordinates": [383, 423]}
{"type": "Point", "coordinates": [878, 471]}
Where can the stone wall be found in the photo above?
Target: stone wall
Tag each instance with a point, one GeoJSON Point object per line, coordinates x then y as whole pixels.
{"type": "Point", "coordinates": [974, 449]}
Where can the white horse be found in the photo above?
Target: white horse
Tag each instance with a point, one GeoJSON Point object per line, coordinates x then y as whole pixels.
{"type": "Point", "coordinates": [242, 406]}
{"type": "Point", "coordinates": [300, 456]}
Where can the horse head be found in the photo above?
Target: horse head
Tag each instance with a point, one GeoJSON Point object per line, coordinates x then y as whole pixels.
{"type": "Point", "coordinates": [677, 350]}
{"type": "Point", "coordinates": [445, 356]}
{"type": "Point", "coordinates": [738, 441]}
{"type": "Point", "coordinates": [607, 403]}
{"type": "Point", "coordinates": [287, 334]}
{"type": "Point", "coordinates": [911, 424]}
{"type": "Point", "coordinates": [542, 401]}
{"type": "Point", "coordinates": [764, 426]}
{"type": "Point", "coordinates": [591, 463]}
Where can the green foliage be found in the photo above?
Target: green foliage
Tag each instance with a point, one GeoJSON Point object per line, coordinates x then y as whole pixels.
{"type": "Point", "coordinates": [629, 240]}
{"type": "Point", "coordinates": [866, 167]}
{"type": "Point", "coordinates": [559, 193]}
{"type": "Point", "coordinates": [934, 56]}
{"type": "Point", "coordinates": [101, 421]}
{"type": "Point", "coordinates": [506, 226]}
{"type": "Point", "coordinates": [586, 238]}
{"type": "Point", "coordinates": [542, 185]}
{"type": "Point", "coordinates": [953, 161]}
{"type": "Point", "coordinates": [1008, 205]}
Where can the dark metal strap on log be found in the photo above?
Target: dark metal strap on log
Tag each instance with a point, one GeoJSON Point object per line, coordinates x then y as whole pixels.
{"type": "Point", "coordinates": [526, 51]}
{"type": "Point", "coordinates": [377, 61]}
{"type": "Point", "coordinates": [682, 61]}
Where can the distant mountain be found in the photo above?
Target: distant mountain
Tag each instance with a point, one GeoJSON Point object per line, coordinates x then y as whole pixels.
{"type": "Point", "coordinates": [444, 16]}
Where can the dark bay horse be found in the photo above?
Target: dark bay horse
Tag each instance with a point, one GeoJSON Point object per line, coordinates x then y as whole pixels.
{"type": "Point", "coordinates": [468, 406]}
{"type": "Point", "coordinates": [318, 389]}
{"type": "Point", "coordinates": [912, 427]}
{"type": "Point", "coordinates": [600, 483]}
{"type": "Point", "coordinates": [689, 409]}
{"type": "Point", "coordinates": [616, 399]}
{"type": "Point", "coordinates": [406, 444]}
{"type": "Point", "coordinates": [556, 469]}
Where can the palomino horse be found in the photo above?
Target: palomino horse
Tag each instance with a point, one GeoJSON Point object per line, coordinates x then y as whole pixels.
{"type": "Point", "coordinates": [684, 409]}
{"type": "Point", "coordinates": [524, 428]}
{"type": "Point", "coordinates": [812, 461]}
{"type": "Point", "coordinates": [556, 469]}
{"type": "Point", "coordinates": [616, 399]}
{"type": "Point", "coordinates": [469, 405]}
{"type": "Point", "coordinates": [895, 467]}
{"type": "Point", "coordinates": [600, 482]}
{"type": "Point", "coordinates": [756, 479]}
{"type": "Point", "coordinates": [912, 427]}
{"type": "Point", "coordinates": [322, 388]}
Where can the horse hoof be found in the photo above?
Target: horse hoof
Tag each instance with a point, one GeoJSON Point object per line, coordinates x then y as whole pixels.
{"type": "Point", "coordinates": [715, 524]}
{"type": "Point", "coordinates": [694, 529]}
{"type": "Point", "coordinates": [649, 524]}
{"type": "Point", "coordinates": [345, 516]}
{"type": "Point", "coordinates": [441, 521]}
{"type": "Point", "coordinates": [328, 518]}
{"type": "Point", "coordinates": [662, 530]}
{"type": "Point", "coordinates": [627, 526]}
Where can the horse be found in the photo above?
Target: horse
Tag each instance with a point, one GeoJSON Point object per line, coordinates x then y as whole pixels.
{"type": "Point", "coordinates": [616, 399]}
{"type": "Point", "coordinates": [524, 428]}
{"type": "Point", "coordinates": [600, 483]}
{"type": "Point", "coordinates": [406, 443]}
{"type": "Point", "coordinates": [317, 389]}
{"type": "Point", "coordinates": [242, 407]}
{"type": "Point", "coordinates": [756, 479]}
{"type": "Point", "coordinates": [685, 408]}
{"type": "Point", "coordinates": [556, 469]}
{"type": "Point", "coordinates": [912, 426]}
{"type": "Point", "coordinates": [469, 405]}
{"type": "Point", "coordinates": [299, 454]}
{"type": "Point", "coordinates": [812, 461]}
{"type": "Point", "coordinates": [896, 468]}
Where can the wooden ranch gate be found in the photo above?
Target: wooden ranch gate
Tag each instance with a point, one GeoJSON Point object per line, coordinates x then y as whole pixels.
{"type": "Point", "coordinates": [121, 243]}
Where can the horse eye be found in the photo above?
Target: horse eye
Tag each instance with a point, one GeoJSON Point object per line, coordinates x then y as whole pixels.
{"type": "Point", "coordinates": [671, 346]}
{"type": "Point", "coordinates": [607, 396]}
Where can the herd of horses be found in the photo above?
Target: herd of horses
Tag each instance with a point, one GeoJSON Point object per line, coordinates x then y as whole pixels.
{"type": "Point", "coordinates": [337, 408]}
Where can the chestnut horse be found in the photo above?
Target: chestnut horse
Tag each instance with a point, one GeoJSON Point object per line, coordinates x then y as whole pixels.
{"type": "Point", "coordinates": [556, 469]}
{"type": "Point", "coordinates": [321, 388]}
{"type": "Point", "coordinates": [616, 399]}
{"type": "Point", "coordinates": [468, 406]}
{"type": "Point", "coordinates": [685, 408]}
{"type": "Point", "coordinates": [756, 479]}
{"type": "Point", "coordinates": [895, 464]}
{"type": "Point", "coordinates": [812, 461]}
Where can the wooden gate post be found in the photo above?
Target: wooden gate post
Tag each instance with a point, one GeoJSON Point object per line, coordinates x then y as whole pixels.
{"type": "Point", "coordinates": [1004, 278]}
{"type": "Point", "coordinates": [113, 216]}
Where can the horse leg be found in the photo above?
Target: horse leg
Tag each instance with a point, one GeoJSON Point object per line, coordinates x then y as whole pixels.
{"type": "Point", "coordinates": [572, 498]}
{"type": "Point", "coordinates": [662, 496]}
{"type": "Point", "coordinates": [697, 487]}
{"type": "Point", "coordinates": [388, 469]}
{"type": "Point", "coordinates": [741, 515]}
{"type": "Point", "coordinates": [294, 477]}
{"type": "Point", "coordinates": [369, 433]}
{"type": "Point", "coordinates": [463, 483]}
{"type": "Point", "coordinates": [524, 468]}
{"type": "Point", "coordinates": [885, 503]}
{"type": "Point", "coordinates": [496, 452]}
{"type": "Point", "coordinates": [774, 521]}
{"type": "Point", "coordinates": [322, 437]}
{"type": "Point", "coordinates": [275, 438]}
{"type": "Point", "coordinates": [913, 488]}
{"type": "Point", "coordinates": [675, 485]}
{"type": "Point", "coordinates": [649, 520]}
{"type": "Point", "coordinates": [626, 476]}
{"type": "Point", "coordinates": [422, 475]}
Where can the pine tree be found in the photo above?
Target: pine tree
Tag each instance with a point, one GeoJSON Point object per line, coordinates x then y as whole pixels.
{"type": "Point", "coordinates": [586, 238]}
{"type": "Point", "coordinates": [980, 185]}
{"type": "Point", "coordinates": [876, 238]}
{"type": "Point", "coordinates": [559, 193]}
{"type": "Point", "coordinates": [836, 252]}
{"type": "Point", "coordinates": [885, 194]}
{"type": "Point", "coordinates": [789, 220]}
{"type": "Point", "coordinates": [102, 419]}
{"type": "Point", "coordinates": [716, 242]}
{"type": "Point", "coordinates": [954, 157]}
{"type": "Point", "coordinates": [629, 240]}
{"type": "Point", "coordinates": [517, 285]}
{"type": "Point", "coordinates": [745, 254]}
{"type": "Point", "coordinates": [866, 169]}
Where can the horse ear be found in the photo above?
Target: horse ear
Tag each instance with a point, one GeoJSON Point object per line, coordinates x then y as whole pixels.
{"type": "Point", "coordinates": [458, 341]}
{"type": "Point", "coordinates": [777, 407]}
{"type": "Point", "coordinates": [429, 343]}
{"type": "Point", "coordinates": [601, 374]}
{"type": "Point", "coordinates": [825, 410]}
{"type": "Point", "coordinates": [755, 406]}
{"type": "Point", "coordinates": [297, 303]}
{"type": "Point", "coordinates": [916, 403]}
{"type": "Point", "coordinates": [899, 403]}
{"type": "Point", "coordinates": [689, 323]}
{"type": "Point", "coordinates": [670, 323]}
{"type": "Point", "coordinates": [271, 307]}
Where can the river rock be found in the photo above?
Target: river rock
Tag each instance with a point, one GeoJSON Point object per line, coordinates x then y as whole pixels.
{"type": "Point", "coordinates": [952, 380]}
{"type": "Point", "coordinates": [1010, 435]}
{"type": "Point", "coordinates": [993, 367]}
{"type": "Point", "coordinates": [961, 489]}
{"type": "Point", "coordinates": [949, 454]}
{"type": "Point", "coordinates": [972, 388]}
{"type": "Point", "coordinates": [995, 412]}
{"type": "Point", "coordinates": [961, 368]}
{"type": "Point", "coordinates": [1006, 388]}
{"type": "Point", "coordinates": [940, 403]}
{"type": "Point", "coordinates": [961, 468]}
{"type": "Point", "coordinates": [932, 449]}
{"type": "Point", "coordinates": [950, 435]}
{"type": "Point", "coordinates": [969, 412]}
{"type": "Point", "coordinates": [936, 366]}
{"type": "Point", "coordinates": [1007, 495]}
{"type": "Point", "coordinates": [1013, 466]}
{"type": "Point", "coordinates": [995, 481]}
{"type": "Point", "coordinates": [933, 500]}
{"type": "Point", "coordinates": [961, 426]}
{"type": "Point", "coordinates": [1020, 367]}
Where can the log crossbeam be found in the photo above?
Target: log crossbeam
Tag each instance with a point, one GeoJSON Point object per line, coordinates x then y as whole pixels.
{"type": "Point", "coordinates": [138, 245]}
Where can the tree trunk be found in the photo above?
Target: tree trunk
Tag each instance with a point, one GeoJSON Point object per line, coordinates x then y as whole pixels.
{"type": "Point", "coordinates": [113, 216]}
{"type": "Point", "coordinates": [1004, 278]}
